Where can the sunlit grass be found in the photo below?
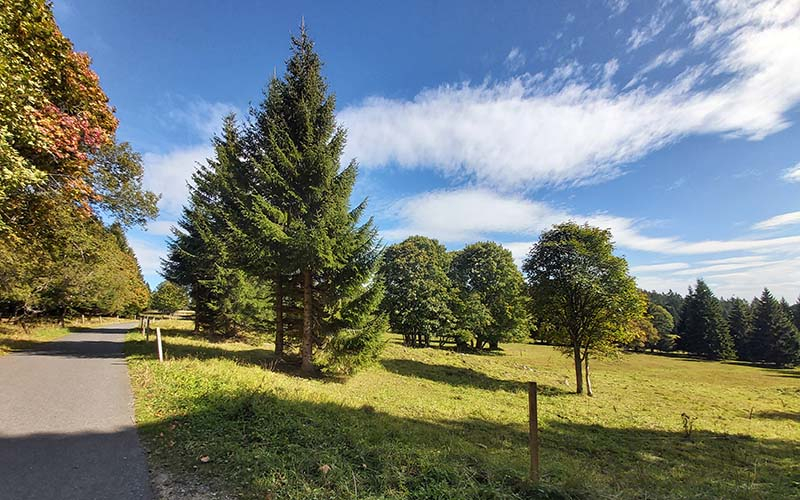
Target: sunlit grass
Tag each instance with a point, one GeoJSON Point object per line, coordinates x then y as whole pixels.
{"type": "Point", "coordinates": [428, 423]}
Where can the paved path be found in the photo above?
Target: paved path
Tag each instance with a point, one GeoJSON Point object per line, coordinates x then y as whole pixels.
{"type": "Point", "coordinates": [66, 421]}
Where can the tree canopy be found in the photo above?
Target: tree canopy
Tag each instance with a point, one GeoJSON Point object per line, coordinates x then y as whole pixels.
{"type": "Point", "coordinates": [417, 290]}
{"type": "Point", "coordinates": [582, 294]}
{"type": "Point", "coordinates": [61, 167]}
{"type": "Point", "coordinates": [486, 272]}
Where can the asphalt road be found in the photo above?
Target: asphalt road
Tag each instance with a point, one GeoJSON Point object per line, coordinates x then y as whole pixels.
{"type": "Point", "coordinates": [66, 421]}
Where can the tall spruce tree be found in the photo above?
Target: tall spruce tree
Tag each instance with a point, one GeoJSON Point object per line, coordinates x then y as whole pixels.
{"type": "Point", "coordinates": [294, 221]}
{"type": "Point", "coordinates": [796, 314]}
{"type": "Point", "coordinates": [203, 254]}
{"type": "Point", "coordinates": [740, 326]}
{"type": "Point", "coordinates": [774, 338]}
{"type": "Point", "coordinates": [703, 329]}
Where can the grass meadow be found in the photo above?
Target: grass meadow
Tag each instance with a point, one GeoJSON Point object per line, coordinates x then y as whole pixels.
{"type": "Point", "coordinates": [431, 423]}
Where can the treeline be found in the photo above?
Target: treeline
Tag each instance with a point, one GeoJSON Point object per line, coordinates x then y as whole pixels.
{"type": "Point", "coordinates": [763, 330]}
{"type": "Point", "coordinates": [60, 168]}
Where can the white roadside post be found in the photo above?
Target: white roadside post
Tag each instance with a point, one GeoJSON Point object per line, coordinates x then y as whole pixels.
{"type": "Point", "coordinates": [158, 339]}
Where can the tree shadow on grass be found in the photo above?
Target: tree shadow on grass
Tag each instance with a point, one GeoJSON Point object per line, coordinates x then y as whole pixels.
{"type": "Point", "coordinates": [779, 415]}
{"type": "Point", "coordinates": [631, 462]}
{"type": "Point", "coordinates": [267, 445]}
{"type": "Point", "coordinates": [259, 357]}
{"type": "Point", "coordinates": [462, 377]}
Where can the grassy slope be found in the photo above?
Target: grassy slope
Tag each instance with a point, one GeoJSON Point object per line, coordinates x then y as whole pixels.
{"type": "Point", "coordinates": [427, 423]}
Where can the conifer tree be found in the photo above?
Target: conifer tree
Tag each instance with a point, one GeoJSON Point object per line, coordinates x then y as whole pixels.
{"type": "Point", "coordinates": [294, 219]}
{"type": "Point", "coordinates": [774, 338]}
{"type": "Point", "coordinates": [740, 326]}
{"type": "Point", "coordinates": [704, 330]}
{"type": "Point", "coordinates": [203, 255]}
{"type": "Point", "coordinates": [796, 314]}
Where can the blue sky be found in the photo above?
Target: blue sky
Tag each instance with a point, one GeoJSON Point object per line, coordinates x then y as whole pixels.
{"type": "Point", "coordinates": [673, 123]}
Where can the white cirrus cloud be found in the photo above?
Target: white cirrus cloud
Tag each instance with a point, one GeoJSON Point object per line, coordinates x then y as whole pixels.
{"type": "Point", "coordinates": [148, 254]}
{"type": "Point", "coordinates": [170, 173]}
{"type": "Point", "coordinates": [667, 266]}
{"type": "Point", "coordinates": [792, 174]}
{"type": "Point", "coordinates": [461, 215]}
{"type": "Point", "coordinates": [515, 59]}
{"type": "Point", "coordinates": [532, 130]}
{"type": "Point", "coordinates": [781, 220]}
{"type": "Point", "coordinates": [161, 227]}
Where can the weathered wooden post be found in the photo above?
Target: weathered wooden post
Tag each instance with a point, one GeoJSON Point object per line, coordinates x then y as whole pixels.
{"type": "Point", "coordinates": [147, 330]}
{"type": "Point", "coordinates": [158, 340]}
{"type": "Point", "coordinates": [533, 443]}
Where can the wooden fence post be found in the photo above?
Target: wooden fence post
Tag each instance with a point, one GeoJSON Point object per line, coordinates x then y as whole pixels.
{"type": "Point", "coordinates": [147, 330]}
{"type": "Point", "coordinates": [158, 339]}
{"type": "Point", "coordinates": [533, 418]}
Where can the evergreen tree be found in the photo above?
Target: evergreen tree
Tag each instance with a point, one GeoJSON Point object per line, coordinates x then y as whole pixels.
{"type": "Point", "coordinates": [487, 270]}
{"type": "Point", "coordinates": [703, 329]}
{"type": "Point", "coordinates": [202, 254]}
{"type": "Point", "coordinates": [774, 338]}
{"type": "Point", "coordinates": [292, 215]}
{"type": "Point", "coordinates": [740, 326]}
{"type": "Point", "coordinates": [787, 309]}
{"type": "Point", "coordinates": [796, 314]}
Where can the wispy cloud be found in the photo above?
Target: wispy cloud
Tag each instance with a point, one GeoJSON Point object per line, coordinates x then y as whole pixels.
{"type": "Point", "coordinates": [669, 266]}
{"type": "Point", "coordinates": [534, 130]}
{"type": "Point", "coordinates": [203, 117]}
{"type": "Point", "coordinates": [792, 174]}
{"type": "Point", "coordinates": [473, 213]}
{"type": "Point", "coordinates": [148, 254]}
{"type": "Point", "coordinates": [781, 220]}
{"type": "Point", "coordinates": [161, 227]}
{"type": "Point", "coordinates": [515, 59]}
{"type": "Point", "coordinates": [169, 174]}
{"type": "Point", "coordinates": [648, 31]}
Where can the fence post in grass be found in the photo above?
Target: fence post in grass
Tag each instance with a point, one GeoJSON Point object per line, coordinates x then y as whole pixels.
{"type": "Point", "coordinates": [533, 442]}
{"type": "Point", "coordinates": [147, 330]}
{"type": "Point", "coordinates": [158, 339]}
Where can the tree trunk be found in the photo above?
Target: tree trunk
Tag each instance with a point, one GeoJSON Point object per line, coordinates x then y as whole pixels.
{"type": "Point", "coordinates": [278, 317]}
{"type": "Point", "coordinates": [576, 353]}
{"type": "Point", "coordinates": [305, 351]}
{"type": "Point", "coordinates": [63, 315]}
{"type": "Point", "coordinates": [588, 380]}
{"type": "Point", "coordinates": [493, 345]}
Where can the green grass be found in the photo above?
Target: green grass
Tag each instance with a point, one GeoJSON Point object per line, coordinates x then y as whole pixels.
{"type": "Point", "coordinates": [428, 423]}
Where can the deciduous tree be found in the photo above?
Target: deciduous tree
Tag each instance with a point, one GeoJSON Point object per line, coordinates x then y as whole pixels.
{"type": "Point", "coordinates": [582, 293]}
{"type": "Point", "coordinates": [486, 271]}
{"type": "Point", "coordinates": [417, 290]}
